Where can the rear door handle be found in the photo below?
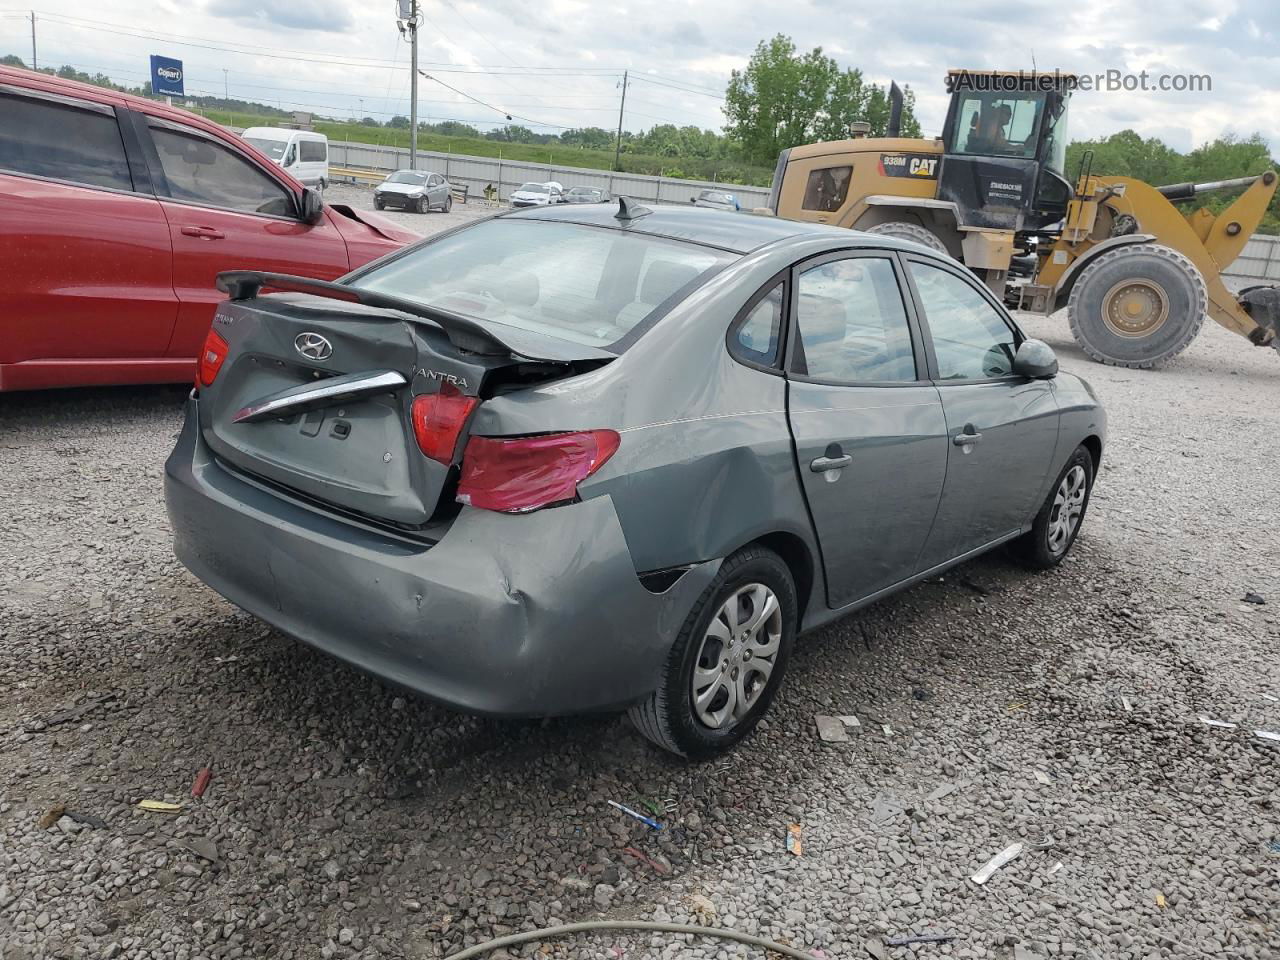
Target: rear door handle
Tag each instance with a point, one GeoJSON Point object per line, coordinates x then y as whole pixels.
{"type": "Point", "coordinates": [204, 233]}
{"type": "Point", "coordinates": [823, 464]}
{"type": "Point", "coordinates": [961, 439]}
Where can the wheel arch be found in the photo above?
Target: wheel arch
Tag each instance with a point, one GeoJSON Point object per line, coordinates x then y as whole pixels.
{"type": "Point", "coordinates": [798, 557]}
{"type": "Point", "coordinates": [1093, 443]}
{"type": "Point", "coordinates": [937, 216]}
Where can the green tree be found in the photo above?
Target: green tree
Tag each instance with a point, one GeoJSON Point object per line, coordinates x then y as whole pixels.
{"type": "Point", "coordinates": [9, 60]}
{"type": "Point", "coordinates": [783, 98]}
{"type": "Point", "coordinates": [399, 123]}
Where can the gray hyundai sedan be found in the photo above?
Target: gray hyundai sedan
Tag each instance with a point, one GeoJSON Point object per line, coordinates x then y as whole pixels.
{"type": "Point", "coordinates": [601, 457]}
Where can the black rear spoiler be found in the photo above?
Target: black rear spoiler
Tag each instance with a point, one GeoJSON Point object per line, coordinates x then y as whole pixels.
{"type": "Point", "coordinates": [462, 333]}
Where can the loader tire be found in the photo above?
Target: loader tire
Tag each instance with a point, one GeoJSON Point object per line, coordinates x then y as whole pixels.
{"type": "Point", "coordinates": [902, 230]}
{"type": "Point", "coordinates": [1137, 306]}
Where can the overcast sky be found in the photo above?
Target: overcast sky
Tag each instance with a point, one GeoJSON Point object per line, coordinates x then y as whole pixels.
{"type": "Point", "coordinates": [560, 61]}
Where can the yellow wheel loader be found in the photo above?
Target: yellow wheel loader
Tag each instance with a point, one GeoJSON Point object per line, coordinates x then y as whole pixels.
{"type": "Point", "coordinates": [1136, 274]}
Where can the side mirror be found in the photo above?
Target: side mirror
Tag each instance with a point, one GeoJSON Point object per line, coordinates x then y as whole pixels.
{"type": "Point", "coordinates": [1035, 359]}
{"type": "Point", "coordinates": [693, 199]}
{"type": "Point", "coordinates": [312, 205]}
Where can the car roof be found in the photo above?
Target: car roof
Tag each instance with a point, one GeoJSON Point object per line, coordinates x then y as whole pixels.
{"type": "Point", "coordinates": [286, 133]}
{"type": "Point", "coordinates": [736, 232]}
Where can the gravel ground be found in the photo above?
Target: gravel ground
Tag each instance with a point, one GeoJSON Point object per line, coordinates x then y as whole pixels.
{"type": "Point", "coordinates": [345, 820]}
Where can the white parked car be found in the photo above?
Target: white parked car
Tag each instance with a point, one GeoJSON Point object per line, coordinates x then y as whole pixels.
{"type": "Point", "coordinates": [304, 153]}
{"type": "Point", "coordinates": [537, 194]}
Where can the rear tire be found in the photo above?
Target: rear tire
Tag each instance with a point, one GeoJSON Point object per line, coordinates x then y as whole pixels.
{"type": "Point", "coordinates": [1058, 523]}
{"type": "Point", "coordinates": [753, 585]}
{"type": "Point", "coordinates": [1137, 306]}
{"type": "Point", "coordinates": [902, 230]}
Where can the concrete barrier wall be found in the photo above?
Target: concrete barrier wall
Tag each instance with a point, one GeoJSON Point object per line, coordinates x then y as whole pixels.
{"type": "Point", "coordinates": [507, 175]}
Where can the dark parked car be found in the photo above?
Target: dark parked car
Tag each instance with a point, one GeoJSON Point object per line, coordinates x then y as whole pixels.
{"type": "Point", "coordinates": [116, 214]}
{"type": "Point", "coordinates": [414, 190]}
{"type": "Point", "coordinates": [587, 195]}
{"type": "Point", "coordinates": [559, 460]}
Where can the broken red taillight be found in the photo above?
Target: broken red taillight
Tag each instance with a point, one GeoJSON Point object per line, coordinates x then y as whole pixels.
{"type": "Point", "coordinates": [525, 473]}
{"type": "Point", "coordinates": [438, 419]}
{"type": "Point", "coordinates": [212, 355]}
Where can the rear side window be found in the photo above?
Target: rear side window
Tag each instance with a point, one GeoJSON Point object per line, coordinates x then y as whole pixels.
{"type": "Point", "coordinates": [201, 171]}
{"type": "Point", "coordinates": [853, 323]}
{"type": "Point", "coordinates": [62, 142]}
{"type": "Point", "coordinates": [312, 151]}
{"type": "Point", "coordinates": [758, 334]}
{"type": "Point", "coordinates": [826, 189]}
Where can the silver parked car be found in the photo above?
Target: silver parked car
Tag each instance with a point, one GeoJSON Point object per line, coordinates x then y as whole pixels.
{"type": "Point", "coordinates": [414, 190]}
{"type": "Point", "coordinates": [588, 458]}
{"type": "Point", "coordinates": [716, 200]}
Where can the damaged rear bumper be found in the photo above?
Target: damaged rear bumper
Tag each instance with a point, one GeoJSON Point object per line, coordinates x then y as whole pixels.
{"type": "Point", "coordinates": [513, 615]}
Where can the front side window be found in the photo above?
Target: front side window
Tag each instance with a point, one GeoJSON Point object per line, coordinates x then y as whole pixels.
{"type": "Point", "coordinates": [826, 189]}
{"type": "Point", "coordinates": [291, 155]}
{"type": "Point", "coordinates": [63, 142]}
{"type": "Point", "coordinates": [759, 332]}
{"type": "Point", "coordinates": [201, 171]}
{"type": "Point", "coordinates": [566, 280]}
{"type": "Point", "coordinates": [970, 339]}
{"type": "Point", "coordinates": [998, 124]}
{"type": "Point", "coordinates": [853, 323]}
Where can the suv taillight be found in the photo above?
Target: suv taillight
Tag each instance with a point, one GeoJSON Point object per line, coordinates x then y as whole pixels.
{"type": "Point", "coordinates": [525, 473]}
{"type": "Point", "coordinates": [211, 357]}
{"type": "Point", "coordinates": [438, 419]}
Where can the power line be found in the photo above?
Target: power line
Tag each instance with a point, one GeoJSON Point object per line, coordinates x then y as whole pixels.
{"type": "Point", "coordinates": [490, 106]}
{"type": "Point", "coordinates": [663, 83]}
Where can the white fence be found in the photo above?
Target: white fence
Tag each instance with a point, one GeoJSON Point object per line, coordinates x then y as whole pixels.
{"type": "Point", "coordinates": [1259, 262]}
{"type": "Point", "coordinates": [507, 175]}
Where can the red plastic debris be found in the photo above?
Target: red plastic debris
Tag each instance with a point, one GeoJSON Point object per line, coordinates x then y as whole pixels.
{"type": "Point", "coordinates": [202, 782]}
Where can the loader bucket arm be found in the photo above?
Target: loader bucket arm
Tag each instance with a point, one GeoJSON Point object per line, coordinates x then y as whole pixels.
{"type": "Point", "coordinates": [1226, 238]}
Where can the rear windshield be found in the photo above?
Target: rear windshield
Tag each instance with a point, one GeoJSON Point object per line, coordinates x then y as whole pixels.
{"type": "Point", "coordinates": [588, 285]}
{"type": "Point", "coordinates": [272, 148]}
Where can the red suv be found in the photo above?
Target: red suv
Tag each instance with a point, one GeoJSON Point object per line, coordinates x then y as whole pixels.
{"type": "Point", "coordinates": [116, 214]}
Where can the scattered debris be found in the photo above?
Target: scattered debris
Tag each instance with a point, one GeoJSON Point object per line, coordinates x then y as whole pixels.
{"type": "Point", "coordinates": [159, 806]}
{"type": "Point", "coordinates": [1055, 868]}
{"type": "Point", "coordinates": [794, 845]}
{"type": "Point", "coordinates": [884, 809]}
{"type": "Point", "coordinates": [51, 816]}
{"type": "Point", "coordinates": [231, 659]}
{"type": "Point", "coordinates": [1275, 846]}
{"type": "Point", "coordinates": [831, 730]}
{"type": "Point", "coordinates": [1124, 702]}
{"type": "Point", "coordinates": [1016, 705]}
{"type": "Point", "coordinates": [940, 791]}
{"type": "Point", "coordinates": [202, 782]}
{"type": "Point", "coordinates": [655, 865]}
{"type": "Point", "coordinates": [88, 819]}
{"type": "Point", "coordinates": [647, 821]}
{"type": "Point", "coordinates": [1217, 723]}
{"type": "Point", "coordinates": [850, 722]}
{"type": "Point", "coordinates": [78, 711]}
{"type": "Point", "coordinates": [1044, 844]}
{"type": "Point", "coordinates": [650, 805]}
{"type": "Point", "coordinates": [703, 908]}
{"type": "Point", "coordinates": [888, 730]}
{"type": "Point", "coordinates": [876, 949]}
{"type": "Point", "coordinates": [1043, 777]}
{"type": "Point", "coordinates": [1160, 901]}
{"type": "Point", "coordinates": [919, 938]}
{"type": "Point", "coordinates": [1267, 735]}
{"type": "Point", "coordinates": [1270, 698]}
{"type": "Point", "coordinates": [1011, 852]}
{"type": "Point", "coordinates": [920, 693]}
{"type": "Point", "coordinates": [203, 848]}
{"type": "Point", "coordinates": [1251, 597]}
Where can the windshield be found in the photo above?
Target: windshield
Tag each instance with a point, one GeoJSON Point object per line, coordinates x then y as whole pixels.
{"type": "Point", "coordinates": [578, 283]}
{"type": "Point", "coordinates": [584, 192]}
{"type": "Point", "coordinates": [407, 176]}
{"type": "Point", "coordinates": [997, 124]}
{"type": "Point", "coordinates": [272, 148]}
{"type": "Point", "coordinates": [533, 188]}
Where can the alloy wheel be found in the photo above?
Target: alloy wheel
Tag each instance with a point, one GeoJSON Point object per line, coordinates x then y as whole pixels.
{"type": "Point", "coordinates": [1068, 506]}
{"type": "Point", "coordinates": [737, 656]}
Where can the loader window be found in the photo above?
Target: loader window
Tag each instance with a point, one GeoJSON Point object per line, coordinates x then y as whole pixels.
{"type": "Point", "coordinates": [997, 124]}
{"type": "Point", "coordinates": [826, 189]}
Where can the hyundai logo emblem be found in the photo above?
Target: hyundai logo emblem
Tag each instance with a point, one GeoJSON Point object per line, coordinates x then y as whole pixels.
{"type": "Point", "coordinates": [313, 346]}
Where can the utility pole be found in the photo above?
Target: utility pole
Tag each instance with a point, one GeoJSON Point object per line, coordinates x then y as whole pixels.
{"type": "Point", "coordinates": [413, 85]}
{"type": "Point", "coordinates": [225, 95]}
{"type": "Point", "coordinates": [617, 153]}
{"type": "Point", "coordinates": [34, 65]}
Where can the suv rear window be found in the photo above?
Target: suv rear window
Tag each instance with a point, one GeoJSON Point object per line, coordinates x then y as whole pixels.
{"type": "Point", "coordinates": [311, 151]}
{"type": "Point", "coordinates": [584, 284]}
{"type": "Point", "coordinates": [63, 142]}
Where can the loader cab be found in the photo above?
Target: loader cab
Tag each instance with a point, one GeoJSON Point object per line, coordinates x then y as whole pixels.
{"type": "Point", "coordinates": [1004, 150]}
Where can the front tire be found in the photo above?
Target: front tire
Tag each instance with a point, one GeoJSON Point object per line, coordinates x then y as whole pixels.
{"type": "Point", "coordinates": [728, 660]}
{"type": "Point", "coordinates": [1058, 523]}
{"type": "Point", "coordinates": [1137, 305]}
{"type": "Point", "coordinates": [423, 205]}
{"type": "Point", "coordinates": [448, 203]}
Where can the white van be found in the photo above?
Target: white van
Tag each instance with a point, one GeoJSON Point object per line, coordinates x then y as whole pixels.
{"type": "Point", "coordinates": [303, 153]}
